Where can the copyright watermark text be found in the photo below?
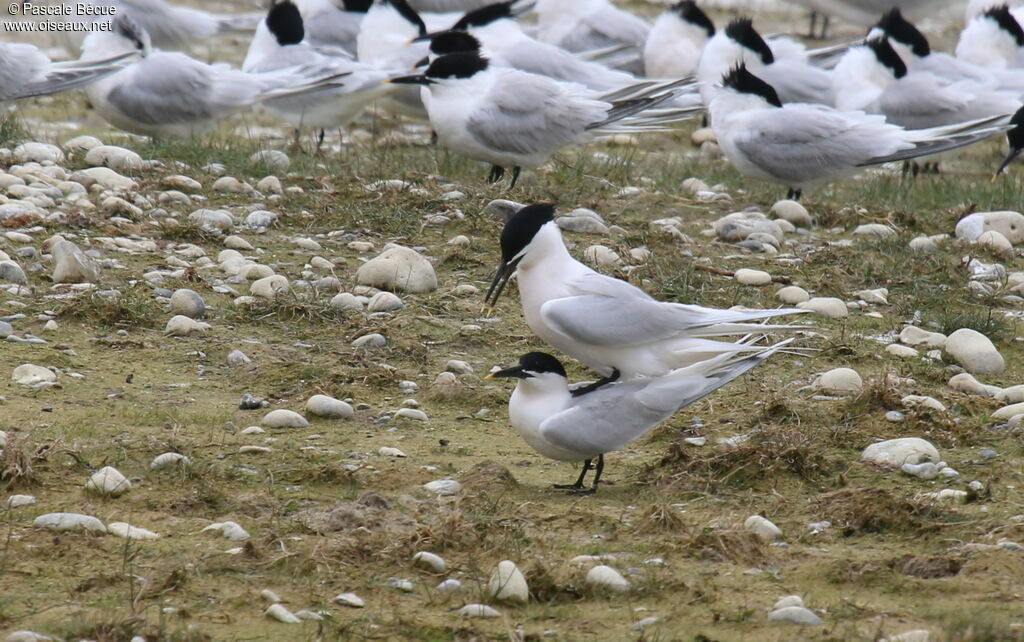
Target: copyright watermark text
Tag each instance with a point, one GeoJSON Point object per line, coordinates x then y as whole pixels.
{"type": "Point", "coordinates": [59, 17]}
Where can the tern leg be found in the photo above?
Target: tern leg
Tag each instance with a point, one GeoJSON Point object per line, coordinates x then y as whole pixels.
{"type": "Point", "coordinates": [814, 20]}
{"type": "Point", "coordinates": [496, 173]}
{"type": "Point", "coordinates": [433, 138]}
{"type": "Point", "coordinates": [597, 478]}
{"type": "Point", "coordinates": [320, 139]}
{"type": "Point", "coordinates": [824, 26]}
{"type": "Point", "coordinates": [515, 176]}
{"type": "Point", "coordinates": [579, 481]}
{"type": "Point", "coordinates": [794, 194]}
{"type": "Point", "coordinates": [603, 381]}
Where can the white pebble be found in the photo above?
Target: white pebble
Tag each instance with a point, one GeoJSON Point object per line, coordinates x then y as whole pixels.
{"type": "Point", "coordinates": [108, 481]}
{"type": "Point", "coordinates": [429, 561]}
{"type": "Point", "coordinates": [329, 407]}
{"type": "Point", "coordinates": [795, 615]}
{"type": "Point", "coordinates": [478, 610]}
{"type": "Point", "coordinates": [282, 418]}
{"type": "Point", "coordinates": [125, 530]}
{"type": "Point", "coordinates": [411, 413]}
{"type": "Point", "coordinates": [230, 530]}
{"type": "Point", "coordinates": [350, 599]}
{"type": "Point", "coordinates": [792, 295]}
{"type": "Point", "coordinates": [752, 277]}
{"type": "Point", "coordinates": [166, 460]}
{"type": "Point", "coordinates": [975, 352]}
{"type": "Point", "coordinates": [843, 381]}
{"type": "Point", "coordinates": [281, 614]}
{"type": "Point", "coordinates": [763, 528]}
{"type": "Point", "coordinates": [69, 522]}
{"type": "Point", "coordinates": [828, 306]}
{"type": "Point", "coordinates": [507, 583]}
{"type": "Point", "coordinates": [606, 577]}
{"type": "Point", "coordinates": [443, 486]}
{"type": "Point", "coordinates": [388, 451]}
{"type": "Point", "coordinates": [896, 452]}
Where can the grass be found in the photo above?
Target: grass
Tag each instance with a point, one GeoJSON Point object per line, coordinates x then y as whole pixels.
{"type": "Point", "coordinates": [315, 503]}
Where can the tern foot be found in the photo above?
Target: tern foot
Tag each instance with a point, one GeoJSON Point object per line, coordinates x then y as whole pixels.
{"type": "Point", "coordinates": [584, 491]}
{"type": "Point", "coordinates": [496, 173]}
{"type": "Point", "coordinates": [515, 176]}
{"type": "Point", "coordinates": [567, 486]}
{"type": "Point", "coordinates": [603, 381]}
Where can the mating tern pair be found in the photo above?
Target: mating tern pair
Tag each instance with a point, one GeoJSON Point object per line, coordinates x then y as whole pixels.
{"type": "Point", "coordinates": [655, 356]}
{"type": "Point", "coordinates": [510, 118]}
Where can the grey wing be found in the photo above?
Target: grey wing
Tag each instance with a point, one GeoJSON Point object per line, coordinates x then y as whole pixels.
{"type": "Point", "coordinates": [20, 64]}
{"type": "Point", "coordinates": [527, 114]}
{"type": "Point", "coordinates": [610, 312]}
{"type": "Point", "coordinates": [617, 25]}
{"type": "Point", "coordinates": [801, 143]}
{"type": "Point", "coordinates": [798, 82]}
{"type": "Point", "coordinates": [918, 101]}
{"type": "Point", "coordinates": [173, 88]}
{"type": "Point", "coordinates": [334, 28]}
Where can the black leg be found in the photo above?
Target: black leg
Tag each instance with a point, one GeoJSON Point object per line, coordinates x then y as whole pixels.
{"type": "Point", "coordinates": [597, 478]}
{"type": "Point", "coordinates": [496, 174]}
{"type": "Point", "coordinates": [320, 139]}
{"type": "Point", "coordinates": [797, 194]}
{"type": "Point", "coordinates": [814, 20]}
{"type": "Point", "coordinates": [603, 381]}
{"type": "Point", "coordinates": [515, 176]}
{"type": "Point", "coordinates": [794, 194]}
{"type": "Point", "coordinates": [433, 138]}
{"type": "Point", "coordinates": [579, 481]}
{"type": "Point", "coordinates": [824, 27]}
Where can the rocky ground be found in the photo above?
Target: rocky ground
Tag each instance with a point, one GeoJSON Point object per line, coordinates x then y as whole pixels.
{"type": "Point", "coordinates": [247, 400]}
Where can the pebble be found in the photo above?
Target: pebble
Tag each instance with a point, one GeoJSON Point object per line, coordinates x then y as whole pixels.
{"type": "Point", "coordinates": [125, 530]}
{"type": "Point", "coordinates": [924, 470]}
{"type": "Point", "coordinates": [788, 600]}
{"type": "Point", "coordinates": [601, 255]}
{"type": "Point", "coordinates": [923, 244]}
{"type": "Point", "coordinates": [269, 287]}
{"type": "Point", "coordinates": [346, 301]}
{"type": "Point", "coordinates": [878, 296]}
{"type": "Point", "coordinates": [478, 610]}
{"type": "Point", "coordinates": [902, 351]}
{"type": "Point", "coordinates": [402, 585]}
{"type": "Point", "coordinates": [450, 585]}
{"type": "Point", "coordinates": [71, 265]}
{"type": "Point", "coordinates": [792, 294]}
{"type": "Point", "coordinates": [1013, 394]}
{"type": "Point", "coordinates": [443, 486]}
{"type": "Point", "coordinates": [1006, 412]}
{"type": "Point", "coordinates": [17, 501]}
{"type": "Point", "coordinates": [250, 402]}
{"type": "Point", "coordinates": [975, 352]}
{"type": "Point", "coordinates": [793, 212]}
{"type": "Point", "coordinates": [894, 416]}
{"type": "Point", "coordinates": [238, 358]}
{"type": "Point", "coordinates": [283, 418]}
{"type": "Point", "coordinates": [105, 177]}
{"type": "Point", "coordinates": [237, 243]}
{"type": "Point", "coordinates": [603, 577]}
{"type": "Point", "coordinates": [188, 303]}
{"type": "Point", "coordinates": [12, 273]}
{"type": "Point", "coordinates": [915, 336]}
{"type": "Point", "coordinates": [108, 481]}
{"type": "Point", "coordinates": [874, 230]}
{"type": "Point", "coordinates": [81, 143]}
{"type": "Point", "coordinates": [763, 528]}
{"type": "Point", "coordinates": [69, 522]}
{"type": "Point", "coordinates": [114, 157]}
{"type": "Point", "coordinates": [1009, 224]}
{"type": "Point", "coordinates": [373, 340]}
{"type": "Point", "coordinates": [429, 561]}
{"type": "Point", "coordinates": [350, 599]}
{"type": "Point", "coordinates": [828, 306]}
{"type": "Point", "coordinates": [212, 220]}
{"type": "Point", "coordinates": [842, 381]}
{"type": "Point", "coordinates": [581, 224]}
{"type": "Point", "coordinates": [915, 635]}
{"type": "Point", "coordinates": [398, 268]}
{"type": "Point", "coordinates": [38, 153]}
{"type": "Point", "coordinates": [274, 158]}
{"type": "Point", "coordinates": [384, 302]}
{"type": "Point", "coordinates": [328, 407]}
{"type": "Point", "coordinates": [181, 326]}
{"type": "Point", "coordinates": [230, 530]}
{"type": "Point", "coordinates": [904, 450]}
{"type": "Point", "coordinates": [738, 226]}
{"type": "Point", "coordinates": [270, 185]}
{"type": "Point", "coordinates": [996, 242]}
{"type": "Point", "coordinates": [922, 401]}
{"type": "Point", "coordinates": [29, 374]}
{"type": "Point", "coordinates": [411, 413]}
{"type": "Point", "coordinates": [388, 451]}
{"type": "Point", "coordinates": [752, 277]}
{"type": "Point", "coordinates": [795, 615]}
{"type": "Point", "coordinates": [282, 614]}
{"type": "Point", "coordinates": [166, 460]}
{"type": "Point", "coordinates": [507, 583]}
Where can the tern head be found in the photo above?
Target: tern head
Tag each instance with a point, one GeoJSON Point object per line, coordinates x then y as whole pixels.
{"type": "Point", "coordinates": [1002, 17]}
{"type": "Point", "coordinates": [887, 56]}
{"type": "Point", "coordinates": [448, 67]}
{"type": "Point", "coordinates": [126, 27]}
{"type": "Point", "coordinates": [410, 15]}
{"type": "Point", "coordinates": [689, 12]}
{"type": "Point", "coordinates": [448, 42]}
{"type": "Point", "coordinates": [742, 81]}
{"type": "Point", "coordinates": [534, 365]}
{"type": "Point", "coordinates": [1015, 137]}
{"type": "Point", "coordinates": [517, 239]}
{"type": "Point", "coordinates": [902, 31]}
{"type": "Point", "coordinates": [357, 6]}
{"type": "Point", "coordinates": [743, 33]}
{"type": "Point", "coordinates": [285, 22]}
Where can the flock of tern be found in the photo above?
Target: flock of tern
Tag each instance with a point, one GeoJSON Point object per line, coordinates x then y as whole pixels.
{"type": "Point", "coordinates": [511, 83]}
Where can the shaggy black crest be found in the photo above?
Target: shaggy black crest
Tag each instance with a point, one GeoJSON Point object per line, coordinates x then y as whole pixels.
{"type": "Point", "coordinates": [888, 56]}
{"type": "Point", "coordinates": [1016, 135]}
{"type": "Point", "coordinates": [896, 27]}
{"type": "Point", "coordinates": [457, 65]}
{"type": "Point", "coordinates": [448, 42]}
{"type": "Point", "coordinates": [285, 22]}
{"type": "Point", "coordinates": [1007, 22]}
{"type": "Point", "coordinates": [484, 16]}
{"type": "Point", "coordinates": [358, 6]}
{"type": "Point", "coordinates": [690, 12]}
{"type": "Point", "coordinates": [745, 82]}
{"type": "Point", "coordinates": [742, 31]}
{"type": "Point", "coordinates": [540, 362]}
{"type": "Point", "coordinates": [522, 227]}
{"type": "Point", "coordinates": [407, 12]}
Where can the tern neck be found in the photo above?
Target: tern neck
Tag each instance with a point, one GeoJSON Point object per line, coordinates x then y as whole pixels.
{"type": "Point", "coordinates": [547, 249]}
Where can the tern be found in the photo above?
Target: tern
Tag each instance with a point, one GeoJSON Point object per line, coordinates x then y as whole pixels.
{"type": "Point", "coordinates": [583, 424]}
{"type": "Point", "coordinates": [611, 326]}
{"type": "Point", "coordinates": [26, 71]}
{"type": "Point", "coordinates": [873, 78]}
{"type": "Point", "coordinates": [279, 45]}
{"type": "Point", "coordinates": [800, 144]}
{"type": "Point", "coordinates": [1015, 137]}
{"type": "Point", "coordinates": [784, 65]}
{"type": "Point", "coordinates": [333, 23]}
{"type": "Point", "coordinates": [587, 25]}
{"type": "Point", "coordinates": [993, 39]}
{"type": "Point", "coordinates": [676, 40]}
{"type": "Point", "coordinates": [510, 118]}
{"type": "Point", "coordinates": [169, 93]}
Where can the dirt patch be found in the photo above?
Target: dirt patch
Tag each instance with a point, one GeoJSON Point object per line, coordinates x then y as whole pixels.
{"type": "Point", "coordinates": [736, 546]}
{"type": "Point", "coordinates": [927, 567]}
{"type": "Point", "coordinates": [868, 510]}
{"type": "Point", "coordinates": [488, 477]}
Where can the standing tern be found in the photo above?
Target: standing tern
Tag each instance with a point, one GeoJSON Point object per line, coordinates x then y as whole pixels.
{"type": "Point", "coordinates": [873, 78]}
{"type": "Point", "coordinates": [613, 327]}
{"type": "Point", "coordinates": [784, 64]}
{"type": "Point", "coordinates": [800, 144]}
{"type": "Point", "coordinates": [584, 424]}
{"type": "Point", "coordinates": [586, 25]}
{"type": "Point", "coordinates": [510, 118]}
{"type": "Point", "coordinates": [26, 71]}
{"type": "Point", "coordinates": [169, 93]}
{"type": "Point", "coordinates": [279, 45]}
{"type": "Point", "coordinates": [1015, 137]}
{"type": "Point", "coordinates": [676, 40]}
